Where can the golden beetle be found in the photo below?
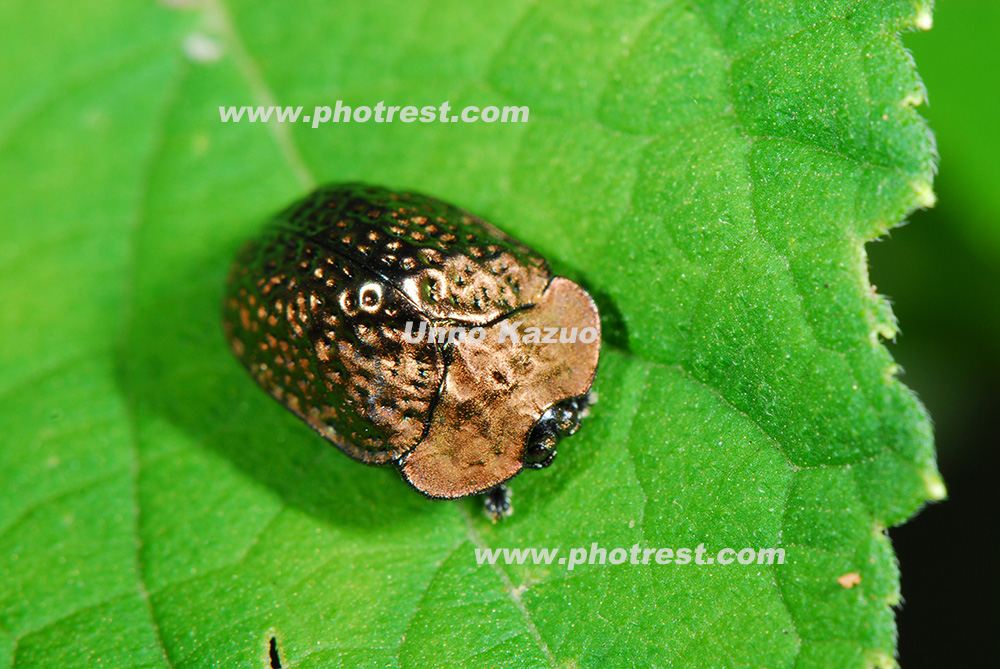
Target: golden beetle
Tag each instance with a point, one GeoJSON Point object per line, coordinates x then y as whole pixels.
{"type": "Point", "coordinates": [337, 310]}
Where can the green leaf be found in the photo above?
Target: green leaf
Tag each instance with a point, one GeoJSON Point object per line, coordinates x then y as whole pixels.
{"type": "Point", "coordinates": [711, 171]}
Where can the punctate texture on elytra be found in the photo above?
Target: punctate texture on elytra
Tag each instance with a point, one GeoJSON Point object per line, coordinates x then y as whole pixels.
{"type": "Point", "coordinates": [317, 309]}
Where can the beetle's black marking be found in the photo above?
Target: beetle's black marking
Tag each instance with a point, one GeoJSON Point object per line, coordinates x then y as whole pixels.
{"type": "Point", "coordinates": [275, 658]}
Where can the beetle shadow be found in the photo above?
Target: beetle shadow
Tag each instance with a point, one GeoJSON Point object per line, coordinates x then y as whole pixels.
{"type": "Point", "coordinates": [176, 367]}
{"type": "Point", "coordinates": [614, 331]}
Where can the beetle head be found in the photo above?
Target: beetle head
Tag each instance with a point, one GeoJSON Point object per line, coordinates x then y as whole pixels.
{"type": "Point", "coordinates": [560, 420]}
{"type": "Point", "coordinates": [505, 403]}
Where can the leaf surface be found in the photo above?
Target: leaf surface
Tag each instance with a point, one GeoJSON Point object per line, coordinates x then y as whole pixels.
{"type": "Point", "coordinates": [711, 171]}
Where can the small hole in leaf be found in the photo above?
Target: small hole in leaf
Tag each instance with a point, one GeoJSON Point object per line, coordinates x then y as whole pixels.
{"type": "Point", "coordinates": [275, 660]}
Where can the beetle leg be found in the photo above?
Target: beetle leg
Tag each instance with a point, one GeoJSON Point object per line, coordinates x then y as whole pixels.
{"type": "Point", "coordinates": [496, 502]}
{"type": "Point", "coordinates": [590, 399]}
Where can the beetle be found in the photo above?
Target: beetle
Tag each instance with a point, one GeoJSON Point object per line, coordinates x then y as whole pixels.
{"type": "Point", "coordinates": [325, 306]}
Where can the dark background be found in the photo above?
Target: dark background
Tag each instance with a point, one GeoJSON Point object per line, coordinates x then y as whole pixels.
{"type": "Point", "coordinates": [942, 272]}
